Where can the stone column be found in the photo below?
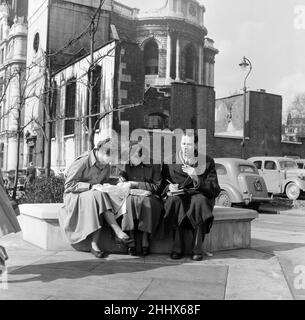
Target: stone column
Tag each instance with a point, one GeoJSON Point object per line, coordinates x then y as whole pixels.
{"type": "Point", "coordinates": [200, 71]}
{"type": "Point", "coordinates": [178, 51]}
{"type": "Point", "coordinates": [168, 58]}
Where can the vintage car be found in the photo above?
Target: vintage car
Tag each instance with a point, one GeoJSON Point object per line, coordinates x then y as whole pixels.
{"type": "Point", "coordinates": [301, 163]}
{"type": "Point", "coordinates": [282, 175]}
{"type": "Point", "coordinates": [240, 183]}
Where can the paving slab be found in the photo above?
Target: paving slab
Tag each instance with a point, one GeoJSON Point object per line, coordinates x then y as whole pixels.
{"type": "Point", "coordinates": [259, 281]}
{"type": "Point", "coordinates": [183, 290]}
{"type": "Point", "coordinates": [71, 284]}
{"type": "Point", "coordinates": [293, 266]}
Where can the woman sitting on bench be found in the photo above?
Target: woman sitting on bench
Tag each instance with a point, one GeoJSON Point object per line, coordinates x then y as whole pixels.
{"type": "Point", "coordinates": [144, 207]}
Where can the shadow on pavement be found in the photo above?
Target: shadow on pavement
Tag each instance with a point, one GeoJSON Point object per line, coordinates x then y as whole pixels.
{"type": "Point", "coordinates": [267, 245]}
{"type": "Point", "coordinates": [72, 270]}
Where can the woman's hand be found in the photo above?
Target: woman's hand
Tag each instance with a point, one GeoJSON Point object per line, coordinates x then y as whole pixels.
{"type": "Point", "coordinates": [132, 184]}
{"type": "Point", "coordinates": [173, 187]}
{"type": "Point", "coordinates": [189, 170]}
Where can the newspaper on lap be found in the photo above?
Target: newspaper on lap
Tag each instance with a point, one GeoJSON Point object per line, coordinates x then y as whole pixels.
{"type": "Point", "coordinates": [118, 195]}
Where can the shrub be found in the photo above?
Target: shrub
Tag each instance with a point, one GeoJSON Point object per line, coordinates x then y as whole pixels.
{"type": "Point", "coordinates": [44, 190]}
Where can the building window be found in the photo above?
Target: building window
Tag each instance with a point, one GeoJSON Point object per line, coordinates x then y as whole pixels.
{"type": "Point", "coordinates": [31, 154]}
{"type": "Point", "coordinates": [1, 155]}
{"type": "Point", "coordinates": [190, 62]}
{"type": "Point", "coordinates": [36, 42]}
{"type": "Point", "coordinates": [2, 56]}
{"type": "Point", "coordinates": [175, 5]}
{"type": "Point", "coordinates": [54, 106]}
{"type": "Point", "coordinates": [151, 58]}
{"type": "Point", "coordinates": [70, 106]}
{"type": "Point", "coordinates": [96, 95]}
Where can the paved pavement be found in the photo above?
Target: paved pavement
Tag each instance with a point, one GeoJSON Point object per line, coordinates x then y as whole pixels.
{"type": "Point", "coordinates": [265, 271]}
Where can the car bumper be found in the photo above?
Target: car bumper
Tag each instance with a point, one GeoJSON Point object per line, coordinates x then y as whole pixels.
{"type": "Point", "coordinates": [258, 199]}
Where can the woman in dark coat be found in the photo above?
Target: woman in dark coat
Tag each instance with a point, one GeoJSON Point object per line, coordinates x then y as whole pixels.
{"type": "Point", "coordinates": [144, 206]}
{"type": "Point", "coordinates": [193, 208]}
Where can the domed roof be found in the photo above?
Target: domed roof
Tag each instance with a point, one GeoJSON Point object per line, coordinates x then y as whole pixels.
{"type": "Point", "coordinates": [188, 10]}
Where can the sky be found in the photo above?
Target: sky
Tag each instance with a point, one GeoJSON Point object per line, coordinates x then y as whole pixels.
{"type": "Point", "coordinates": [271, 33]}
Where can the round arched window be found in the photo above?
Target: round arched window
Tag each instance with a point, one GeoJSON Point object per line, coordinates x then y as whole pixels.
{"type": "Point", "coordinates": [151, 58]}
{"type": "Point", "coordinates": [36, 42]}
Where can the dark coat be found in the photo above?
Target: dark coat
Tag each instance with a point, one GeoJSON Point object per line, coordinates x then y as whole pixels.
{"type": "Point", "coordinates": [146, 210]}
{"type": "Point", "coordinates": [198, 205]}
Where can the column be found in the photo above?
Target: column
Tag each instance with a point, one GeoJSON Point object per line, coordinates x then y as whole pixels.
{"type": "Point", "coordinates": [200, 71]}
{"type": "Point", "coordinates": [178, 50]}
{"type": "Point", "coordinates": [168, 59]}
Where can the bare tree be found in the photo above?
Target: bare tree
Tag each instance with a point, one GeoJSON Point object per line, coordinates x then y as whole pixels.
{"type": "Point", "coordinates": [17, 78]}
{"type": "Point", "coordinates": [297, 107]}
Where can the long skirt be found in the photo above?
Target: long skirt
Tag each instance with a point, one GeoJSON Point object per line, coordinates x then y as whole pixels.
{"type": "Point", "coordinates": [147, 211]}
{"type": "Point", "coordinates": [196, 208]}
{"type": "Point", "coordinates": [83, 213]}
{"type": "Point", "coordinates": [8, 221]}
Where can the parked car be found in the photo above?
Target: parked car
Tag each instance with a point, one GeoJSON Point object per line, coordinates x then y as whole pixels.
{"type": "Point", "coordinates": [301, 163]}
{"type": "Point", "coordinates": [282, 175]}
{"type": "Point", "coordinates": [240, 183]}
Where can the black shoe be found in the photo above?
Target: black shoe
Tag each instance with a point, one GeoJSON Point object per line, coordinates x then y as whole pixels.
{"type": "Point", "coordinates": [197, 257]}
{"type": "Point", "coordinates": [145, 251]}
{"type": "Point", "coordinates": [98, 254]}
{"type": "Point", "coordinates": [132, 251]}
{"type": "Point", "coordinates": [176, 256]}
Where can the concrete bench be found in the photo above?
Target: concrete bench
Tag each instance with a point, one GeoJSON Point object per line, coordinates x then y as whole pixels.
{"type": "Point", "coordinates": [40, 226]}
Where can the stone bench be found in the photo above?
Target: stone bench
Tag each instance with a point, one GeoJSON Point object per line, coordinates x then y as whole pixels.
{"type": "Point", "coordinates": [40, 227]}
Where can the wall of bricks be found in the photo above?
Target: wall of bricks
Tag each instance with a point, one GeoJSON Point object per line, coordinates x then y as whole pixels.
{"type": "Point", "coordinates": [67, 21]}
{"type": "Point", "coordinates": [194, 107]}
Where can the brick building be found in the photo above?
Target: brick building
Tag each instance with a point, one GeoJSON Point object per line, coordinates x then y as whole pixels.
{"type": "Point", "coordinates": [163, 59]}
{"type": "Point", "coordinates": [153, 50]}
{"type": "Point", "coordinates": [294, 129]}
{"type": "Point", "coordinates": [13, 46]}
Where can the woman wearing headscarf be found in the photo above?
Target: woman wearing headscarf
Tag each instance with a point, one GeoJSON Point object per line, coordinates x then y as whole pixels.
{"type": "Point", "coordinates": [144, 206]}
{"type": "Point", "coordinates": [87, 203]}
{"type": "Point", "coordinates": [8, 221]}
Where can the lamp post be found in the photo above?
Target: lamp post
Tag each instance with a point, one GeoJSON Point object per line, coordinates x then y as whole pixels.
{"type": "Point", "coordinates": [245, 64]}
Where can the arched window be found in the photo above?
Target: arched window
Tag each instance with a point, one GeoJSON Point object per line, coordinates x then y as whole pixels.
{"type": "Point", "coordinates": [151, 57]}
{"type": "Point", "coordinates": [190, 62]}
{"type": "Point", "coordinates": [70, 106]}
{"type": "Point", "coordinates": [1, 155]}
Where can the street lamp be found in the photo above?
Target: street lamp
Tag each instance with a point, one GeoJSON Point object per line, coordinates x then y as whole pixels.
{"type": "Point", "coordinates": [245, 64]}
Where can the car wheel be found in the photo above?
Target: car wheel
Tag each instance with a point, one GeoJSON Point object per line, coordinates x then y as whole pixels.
{"type": "Point", "coordinates": [223, 199]}
{"type": "Point", "coordinates": [292, 191]}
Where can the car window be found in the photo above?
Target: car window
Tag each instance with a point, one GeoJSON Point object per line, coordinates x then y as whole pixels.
{"type": "Point", "coordinates": [258, 164]}
{"type": "Point", "coordinates": [247, 169]}
{"type": "Point", "coordinates": [300, 165]}
{"type": "Point", "coordinates": [270, 165]}
{"type": "Point", "coordinates": [221, 169]}
{"type": "Point", "coordinates": [288, 165]}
